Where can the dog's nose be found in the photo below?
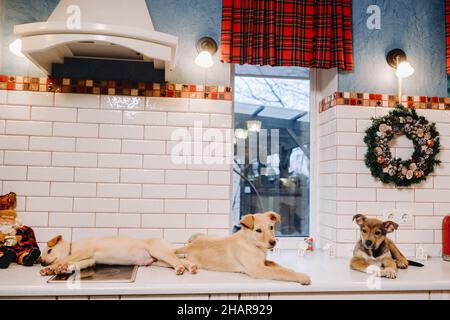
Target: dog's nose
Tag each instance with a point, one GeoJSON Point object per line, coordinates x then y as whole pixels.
{"type": "Point", "coordinates": [369, 243]}
{"type": "Point", "coordinates": [272, 242]}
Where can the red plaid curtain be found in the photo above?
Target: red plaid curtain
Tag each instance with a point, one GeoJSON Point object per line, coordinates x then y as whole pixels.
{"type": "Point", "coordinates": [447, 25]}
{"type": "Point", "coordinates": [305, 33]}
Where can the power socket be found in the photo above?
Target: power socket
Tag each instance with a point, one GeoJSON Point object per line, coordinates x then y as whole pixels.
{"type": "Point", "coordinates": [404, 218]}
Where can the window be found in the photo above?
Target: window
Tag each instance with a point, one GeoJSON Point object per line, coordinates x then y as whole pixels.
{"type": "Point", "coordinates": [272, 145]}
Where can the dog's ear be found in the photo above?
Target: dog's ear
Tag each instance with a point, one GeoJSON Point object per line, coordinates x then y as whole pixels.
{"type": "Point", "coordinates": [274, 216]}
{"type": "Point", "coordinates": [247, 221]}
{"type": "Point", "coordinates": [359, 219]}
{"type": "Point", "coordinates": [53, 242]}
{"type": "Point", "coordinates": [390, 226]}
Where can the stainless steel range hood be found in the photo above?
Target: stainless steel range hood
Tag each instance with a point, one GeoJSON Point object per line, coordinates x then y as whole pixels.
{"type": "Point", "coordinates": [118, 29]}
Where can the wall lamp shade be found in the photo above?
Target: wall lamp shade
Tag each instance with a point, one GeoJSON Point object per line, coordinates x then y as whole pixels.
{"type": "Point", "coordinates": [404, 70]}
{"type": "Point", "coordinates": [204, 60]}
{"type": "Point", "coordinates": [16, 48]}
{"type": "Point", "coordinates": [206, 47]}
{"type": "Point", "coordinates": [396, 58]}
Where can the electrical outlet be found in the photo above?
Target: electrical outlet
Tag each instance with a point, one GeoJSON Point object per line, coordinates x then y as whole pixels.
{"type": "Point", "coordinates": [390, 215]}
{"type": "Point", "coordinates": [404, 218]}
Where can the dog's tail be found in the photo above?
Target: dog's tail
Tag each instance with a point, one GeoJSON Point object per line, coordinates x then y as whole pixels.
{"type": "Point", "coordinates": [414, 264]}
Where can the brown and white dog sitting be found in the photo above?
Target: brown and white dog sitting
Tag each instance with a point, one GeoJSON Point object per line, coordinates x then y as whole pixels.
{"type": "Point", "coordinates": [64, 257]}
{"type": "Point", "coordinates": [244, 251]}
{"type": "Point", "coordinates": [374, 248]}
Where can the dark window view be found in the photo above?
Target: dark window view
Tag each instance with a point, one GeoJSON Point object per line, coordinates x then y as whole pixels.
{"type": "Point", "coordinates": [272, 145]}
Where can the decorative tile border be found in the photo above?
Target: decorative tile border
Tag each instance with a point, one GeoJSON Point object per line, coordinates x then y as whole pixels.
{"type": "Point", "coordinates": [106, 87]}
{"type": "Point", "coordinates": [383, 100]}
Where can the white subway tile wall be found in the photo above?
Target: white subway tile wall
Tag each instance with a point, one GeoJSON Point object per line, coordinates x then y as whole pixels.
{"type": "Point", "coordinates": [87, 165]}
{"type": "Point", "coordinates": [346, 186]}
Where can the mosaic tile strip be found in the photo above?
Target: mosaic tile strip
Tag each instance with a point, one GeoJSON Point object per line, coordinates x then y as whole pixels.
{"type": "Point", "coordinates": [383, 100]}
{"type": "Point", "coordinates": [65, 85]}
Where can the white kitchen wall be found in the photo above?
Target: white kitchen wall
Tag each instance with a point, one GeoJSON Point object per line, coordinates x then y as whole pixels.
{"type": "Point", "coordinates": [89, 165]}
{"type": "Point", "coordinates": [346, 186]}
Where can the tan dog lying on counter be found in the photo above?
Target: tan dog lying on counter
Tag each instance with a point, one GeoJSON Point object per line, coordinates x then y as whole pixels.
{"type": "Point", "coordinates": [64, 257]}
{"type": "Point", "coordinates": [245, 251]}
{"type": "Point", "coordinates": [374, 248]}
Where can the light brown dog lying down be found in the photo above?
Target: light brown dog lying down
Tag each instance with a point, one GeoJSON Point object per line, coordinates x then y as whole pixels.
{"type": "Point", "coordinates": [64, 257]}
{"type": "Point", "coordinates": [244, 252]}
{"type": "Point", "coordinates": [375, 248]}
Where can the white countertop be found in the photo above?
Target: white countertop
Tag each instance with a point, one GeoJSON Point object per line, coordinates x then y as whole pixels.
{"type": "Point", "coordinates": [328, 275]}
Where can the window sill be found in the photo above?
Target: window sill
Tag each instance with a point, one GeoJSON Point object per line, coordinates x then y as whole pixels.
{"type": "Point", "coordinates": [329, 275]}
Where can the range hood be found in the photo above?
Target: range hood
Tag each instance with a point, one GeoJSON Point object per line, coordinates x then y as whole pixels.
{"type": "Point", "coordinates": [118, 29]}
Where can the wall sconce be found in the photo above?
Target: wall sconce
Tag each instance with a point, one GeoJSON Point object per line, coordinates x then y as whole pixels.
{"type": "Point", "coordinates": [206, 48]}
{"type": "Point", "coordinates": [254, 125]}
{"type": "Point", "coordinates": [16, 48]}
{"type": "Point", "coordinates": [396, 58]}
{"type": "Point", "coordinates": [241, 133]}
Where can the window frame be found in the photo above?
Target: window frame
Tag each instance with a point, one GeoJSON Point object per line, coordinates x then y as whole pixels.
{"type": "Point", "coordinates": [292, 243]}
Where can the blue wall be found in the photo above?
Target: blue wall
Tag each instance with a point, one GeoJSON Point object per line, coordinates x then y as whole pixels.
{"type": "Point", "coordinates": [2, 12]}
{"type": "Point", "coordinates": [417, 27]}
{"type": "Point", "coordinates": [17, 12]}
{"type": "Point", "coordinates": [187, 19]}
{"type": "Point", "coordinates": [190, 20]}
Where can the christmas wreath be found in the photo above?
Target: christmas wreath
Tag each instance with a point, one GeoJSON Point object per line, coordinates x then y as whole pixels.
{"type": "Point", "coordinates": [379, 159]}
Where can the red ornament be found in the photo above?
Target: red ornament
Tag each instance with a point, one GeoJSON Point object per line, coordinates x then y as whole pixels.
{"type": "Point", "coordinates": [446, 238]}
{"type": "Point", "coordinates": [430, 143]}
{"type": "Point", "coordinates": [380, 159]}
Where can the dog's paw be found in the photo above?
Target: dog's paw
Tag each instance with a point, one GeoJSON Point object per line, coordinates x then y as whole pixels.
{"type": "Point", "coordinates": [193, 269]}
{"type": "Point", "coordinates": [304, 280]}
{"type": "Point", "coordinates": [179, 270]}
{"type": "Point", "coordinates": [47, 271]}
{"type": "Point", "coordinates": [402, 263]}
{"type": "Point", "coordinates": [63, 268]}
{"type": "Point", "coordinates": [389, 273]}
